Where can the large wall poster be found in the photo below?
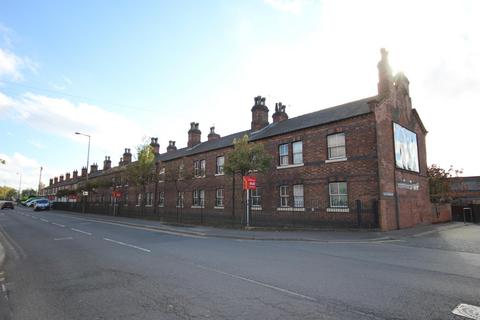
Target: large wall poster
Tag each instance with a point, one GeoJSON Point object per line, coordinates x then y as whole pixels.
{"type": "Point", "coordinates": [406, 150]}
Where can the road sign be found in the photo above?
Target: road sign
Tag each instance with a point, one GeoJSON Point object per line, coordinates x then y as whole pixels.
{"type": "Point", "coordinates": [116, 194]}
{"type": "Point", "coordinates": [249, 183]}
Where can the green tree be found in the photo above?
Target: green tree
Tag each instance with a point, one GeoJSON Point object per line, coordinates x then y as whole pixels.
{"type": "Point", "coordinates": [7, 193]}
{"type": "Point", "coordinates": [143, 171]}
{"type": "Point", "coordinates": [28, 192]}
{"type": "Point", "coordinates": [440, 183]}
{"type": "Point", "coordinates": [246, 158]}
{"type": "Point", "coordinates": [2, 161]}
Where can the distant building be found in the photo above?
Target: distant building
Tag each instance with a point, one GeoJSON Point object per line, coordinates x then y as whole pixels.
{"type": "Point", "coordinates": [465, 192]}
{"type": "Point", "coordinates": [362, 163]}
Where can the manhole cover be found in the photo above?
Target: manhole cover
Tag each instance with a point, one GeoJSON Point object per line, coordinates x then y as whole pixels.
{"type": "Point", "coordinates": [467, 311]}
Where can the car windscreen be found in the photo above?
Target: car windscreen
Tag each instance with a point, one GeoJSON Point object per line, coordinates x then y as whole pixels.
{"type": "Point", "coordinates": [42, 201]}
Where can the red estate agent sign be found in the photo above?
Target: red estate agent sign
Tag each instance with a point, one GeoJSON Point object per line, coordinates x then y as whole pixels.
{"type": "Point", "coordinates": [116, 194]}
{"type": "Point", "coordinates": [249, 183]}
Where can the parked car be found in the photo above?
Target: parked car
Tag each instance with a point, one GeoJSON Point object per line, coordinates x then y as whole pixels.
{"type": "Point", "coordinates": [41, 204]}
{"type": "Point", "coordinates": [6, 204]}
{"type": "Point", "coordinates": [31, 202]}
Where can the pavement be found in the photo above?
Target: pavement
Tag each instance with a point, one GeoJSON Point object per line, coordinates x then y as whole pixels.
{"type": "Point", "coordinates": [313, 235]}
{"type": "Point", "coordinates": [72, 266]}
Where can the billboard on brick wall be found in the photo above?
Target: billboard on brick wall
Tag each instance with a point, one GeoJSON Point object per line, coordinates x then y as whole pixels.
{"type": "Point", "coordinates": [406, 149]}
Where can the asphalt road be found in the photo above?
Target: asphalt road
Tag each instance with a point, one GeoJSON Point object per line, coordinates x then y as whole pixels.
{"type": "Point", "coordinates": [61, 266]}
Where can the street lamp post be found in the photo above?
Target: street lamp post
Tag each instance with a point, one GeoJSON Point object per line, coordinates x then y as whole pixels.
{"type": "Point", "coordinates": [20, 187]}
{"type": "Point", "coordinates": [40, 181]}
{"type": "Point", "coordinates": [88, 161]}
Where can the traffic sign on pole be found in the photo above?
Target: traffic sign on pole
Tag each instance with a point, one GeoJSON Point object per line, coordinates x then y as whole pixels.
{"type": "Point", "coordinates": [249, 183]}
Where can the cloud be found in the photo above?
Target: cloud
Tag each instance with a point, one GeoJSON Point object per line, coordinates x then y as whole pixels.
{"type": "Point", "coordinates": [19, 166]}
{"type": "Point", "coordinates": [110, 132]}
{"type": "Point", "coordinates": [290, 6]}
{"type": "Point", "coordinates": [10, 65]}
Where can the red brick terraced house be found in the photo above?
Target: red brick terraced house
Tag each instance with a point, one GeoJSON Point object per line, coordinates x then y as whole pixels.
{"type": "Point", "coordinates": [359, 164]}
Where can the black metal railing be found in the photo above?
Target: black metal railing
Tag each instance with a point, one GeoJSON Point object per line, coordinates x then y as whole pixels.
{"type": "Point", "coordinates": [301, 213]}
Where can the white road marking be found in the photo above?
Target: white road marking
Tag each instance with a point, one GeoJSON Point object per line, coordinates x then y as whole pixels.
{"type": "Point", "coordinates": [44, 220]}
{"type": "Point", "coordinates": [126, 244]}
{"type": "Point", "coordinates": [58, 224]}
{"type": "Point", "coordinates": [64, 238]}
{"type": "Point", "coordinates": [266, 285]}
{"type": "Point", "coordinates": [84, 232]}
{"type": "Point", "coordinates": [146, 228]}
{"type": "Point", "coordinates": [467, 311]}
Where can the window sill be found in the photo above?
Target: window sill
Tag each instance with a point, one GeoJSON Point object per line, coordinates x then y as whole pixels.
{"type": "Point", "coordinates": [290, 166]}
{"type": "Point", "coordinates": [335, 160]}
{"type": "Point", "coordinates": [290, 209]}
{"type": "Point", "coordinates": [148, 205]}
{"type": "Point", "coordinates": [179, 207]}
{"type": "Point", "coordinates": [160, 206]}
{"type": "Point", "coordinates": [197, 207]}
{"type": "Point", "coordinates": [219, 174]}
{"type": "Point", "coordinates": [258, 208]}
{"type": "Point", "coordinates": [199, 177]}
{"type": "Point", "coordinates": [220, 208]}
{"type": "Point", "coordinates": [338, 209]}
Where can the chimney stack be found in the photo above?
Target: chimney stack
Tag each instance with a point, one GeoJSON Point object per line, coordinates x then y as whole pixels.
{"type": "Point", "coordinates": [280, 114]}
{"type": "Point", "coordinates": [55, 180]}
{"type": "Point", "coordinates": [212, 135]}
{"type": "Point", "coordinates": [75, 174]}
{"type": "Point", "coordinates": [61, 178]}
{"type": "Point", "coordinates": [93, 168]}
{"type": "Point", "coordinates": [107, 163]}
{"type": "Point", "coordinates": [67, 176]}
{"type": "Point", "coordinates": [84, 171]}
{"type": "Point", "coordinates": [127, 157]}
{"type": "Point", "coordinates": [171, 146]}
{"type": "Point", "coordinates": [259, 114]}
{"type": "Point", "coordinates": [385, 77]}
{"type": "Point", "coordinates": [154, 144]}
{"type": "Point", "coordinates": [51, 182]}
{"type": "Point", "coordinates": [194, 135]}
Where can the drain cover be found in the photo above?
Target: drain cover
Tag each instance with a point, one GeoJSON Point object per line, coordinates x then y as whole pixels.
{"type": "Point", "coordinates": [467, 311]}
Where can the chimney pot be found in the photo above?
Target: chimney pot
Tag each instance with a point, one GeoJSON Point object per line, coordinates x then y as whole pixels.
{"type": "Point", "coordinates": [259, 114]}
{"type": "Point", "coordinates": [194, 135]}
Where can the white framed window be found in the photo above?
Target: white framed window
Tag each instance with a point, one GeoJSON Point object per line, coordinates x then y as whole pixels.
{"type": "Point", "coordinates": [297, 150]}
{"type": "Point", "coordinates": [219, 197]}
{"type": "Point", "coordinates": [196, 168]}
{"type": "Point", "coordinates": [283, 196]}
{"type": "Point", "coordinates": [149, 199]}
{"type": "Point", "coordinates": [161, 174]}
{"type": "Point", "coordinates": [338, 194]}
{"type": "Point", "coordinates": [202, 168]}
{"type": "Point", "coordinates": [256, 197]}
{"type": "Point", "coordinates": [161, 199]}
{"type": "Point", "coordinates": [139, 199]}
{"type": "Point", "coordinates": [198, 199]}
{"type": "Point", "coordinates": [180, 199]}
{"type": "Point", "coordinates": [220, 162]}
{"type": "Point", "coordinates": [199, 168]}
{"type": "Point", "coordinates": [181, 167]}
{"type": "Point", "coordinates": [298, 200]}
{"type": "Point", "coordinates": [336, 146]}
{"type": "Point", "coordinates": [283, 154]}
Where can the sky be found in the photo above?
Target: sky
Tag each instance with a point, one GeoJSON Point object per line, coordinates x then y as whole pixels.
{"type": "Point", "coordinates": [124, 71]}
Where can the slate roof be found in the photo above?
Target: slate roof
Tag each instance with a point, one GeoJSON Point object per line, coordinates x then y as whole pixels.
{"type": "Point", "coordinates": [320, 117]}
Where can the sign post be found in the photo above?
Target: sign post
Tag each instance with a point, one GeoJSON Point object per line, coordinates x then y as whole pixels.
{"type": "Point", "coordinates": [249, 183]}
